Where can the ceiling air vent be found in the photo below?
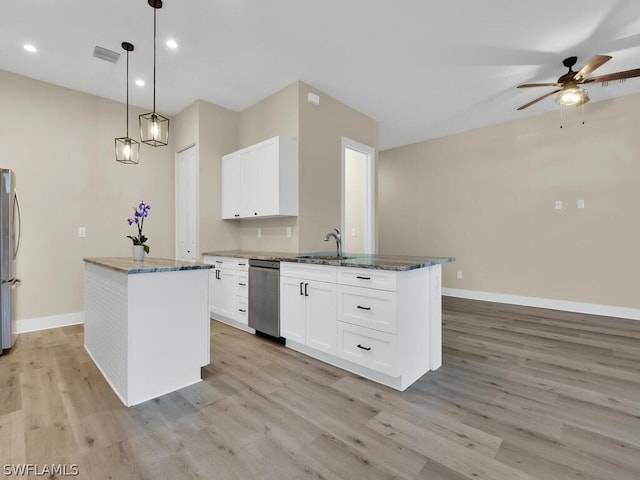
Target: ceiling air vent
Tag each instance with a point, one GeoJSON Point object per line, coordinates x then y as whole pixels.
{"type": "Point", "coordinates": [106, 54]}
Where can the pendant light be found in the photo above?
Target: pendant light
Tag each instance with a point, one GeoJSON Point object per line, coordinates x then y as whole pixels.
{"type": "Point", "coordinates": [127, 149]}
{"type": "Point", "coordinates": [154, 128]}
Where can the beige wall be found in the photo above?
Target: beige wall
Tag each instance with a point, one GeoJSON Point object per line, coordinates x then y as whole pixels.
{"type": "Point", "coordinates": [60, 143]}
{"type": "Point", "coordinates": [321, 129]}
{"type": "Point", "coordinates": [214, 132]}
{"type": "Point", "coordinates": [273, 116]}
{"type": "Point", "coordinates": [487, 197]}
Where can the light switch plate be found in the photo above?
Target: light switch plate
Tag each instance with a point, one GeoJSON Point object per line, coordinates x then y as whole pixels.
{"type": "Point", "coordinates": [82, 232]}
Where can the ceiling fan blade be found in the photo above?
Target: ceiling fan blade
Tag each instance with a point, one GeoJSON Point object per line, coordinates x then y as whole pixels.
{"type": "Point", "coordinates": [538, 99]}
{"type": "Point", "coordinates": [528, 85]}
{"type": "Point", "coordinates": [595, 62]}
{"type": "Point", "coordinates": [610, 77]}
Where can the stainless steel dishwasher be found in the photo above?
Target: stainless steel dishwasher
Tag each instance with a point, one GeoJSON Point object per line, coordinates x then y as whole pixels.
{"type": "Point", "coordinates": [264, 297]}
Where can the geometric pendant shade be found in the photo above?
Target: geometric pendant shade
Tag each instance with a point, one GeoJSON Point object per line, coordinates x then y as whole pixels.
{"type": "Point", "coordinates": [154, 128]}
{"type": "Point", "coordinates": [127, 149]}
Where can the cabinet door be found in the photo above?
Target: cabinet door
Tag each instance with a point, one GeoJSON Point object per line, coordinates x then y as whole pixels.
{"type": "Point", "coordinates": [268, 172]}
{"type": "Point", "coordinates": [322, 316]}
{"type": "Point", "coordinates": [292, 309]}
{"type": "Point", "coordinates": [248, 184]}
{"type": "Point", "coordinates": [230, 186]}
{"type": "Point", "coordinates": [212, 291]}
{"type": "Point", "coordinates": [224, 293]}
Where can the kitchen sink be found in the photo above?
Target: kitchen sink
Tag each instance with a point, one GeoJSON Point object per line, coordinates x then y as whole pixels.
{"type": "Point", "coordinates": [324, 257]}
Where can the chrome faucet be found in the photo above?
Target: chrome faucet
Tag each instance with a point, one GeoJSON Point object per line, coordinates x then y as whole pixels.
{"type": "Point", "coordinates": [338, 240]}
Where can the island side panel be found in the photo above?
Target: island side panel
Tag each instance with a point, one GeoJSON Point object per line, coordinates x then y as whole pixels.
{"type": "Point", "coordinates": [435, 317]}
{"type": "Point", "coordinates": [105, 324]}
{"type": "Point", "coordinates": [169, 331]}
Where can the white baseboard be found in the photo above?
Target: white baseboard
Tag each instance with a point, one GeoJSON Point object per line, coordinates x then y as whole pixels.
{"type": "Point", "coordinates": [53, 321]}
{"type": "Point", "coordinates": [566, 306]}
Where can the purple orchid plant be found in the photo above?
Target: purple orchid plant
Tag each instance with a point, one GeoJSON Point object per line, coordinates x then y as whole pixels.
{"type": "Point", "coordinates": [139, 214]}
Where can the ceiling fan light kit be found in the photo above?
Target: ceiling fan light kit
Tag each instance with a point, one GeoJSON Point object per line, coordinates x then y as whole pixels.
{"type": "Point", "coordinates": [572, 96]}
{"type": "Point", "coordinates": [568, 85]}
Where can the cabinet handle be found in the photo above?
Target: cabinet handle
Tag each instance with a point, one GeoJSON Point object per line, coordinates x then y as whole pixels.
{"type": "Point", "coordinates": [301, 289]}
{"type": "Point", "coordinates": [364, 348]}
{"type": "Point", "coordinates": [242, 310]}
{"type": "Point", "coordinates": [363, 278]}
{"type": "Point", "coordinates": [218, 274]}
{"type": "Point", "coordinates": [363, 308]}
{"type": "Point", "coordinates": [237, 215]}
{"type": "Point", "coordinates": [255, 213]}
{"type": "Point", "coordinates": [241, 264]}
{"type": "Point", "coordinates": [306, 293]}
{"type": "Point", "coordinates": [242, 284]}
{"type": "Point", "coordinates": [219, 261]}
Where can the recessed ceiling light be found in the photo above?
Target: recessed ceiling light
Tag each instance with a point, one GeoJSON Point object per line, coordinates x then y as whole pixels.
{"type": "Point", "coordinates": [171, 43]}
{"type": "Point", "coordinates": [140, 82]}
{"type": "Point", "coordinates": [30, 48]}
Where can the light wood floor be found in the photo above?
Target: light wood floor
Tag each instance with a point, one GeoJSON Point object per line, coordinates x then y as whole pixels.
{"type": "Point", "coordinates": [522, 394]}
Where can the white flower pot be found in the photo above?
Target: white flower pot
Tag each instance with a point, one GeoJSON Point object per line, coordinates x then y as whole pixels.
{"type": "Point", "coordinates": [138, 253]}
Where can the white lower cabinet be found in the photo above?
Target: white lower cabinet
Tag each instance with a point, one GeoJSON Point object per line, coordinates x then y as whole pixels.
{"type": "Point", "coordinates": [383, 325]}
{"type": "Point", "coordinates": [308, 306]}
{"type": "Point", "coordinates": [369, 348]}
{"type": "Point", "coordinates": [228, 296]}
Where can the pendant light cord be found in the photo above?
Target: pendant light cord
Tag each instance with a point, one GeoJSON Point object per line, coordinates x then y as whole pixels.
{"type": "Point", "coordinates": [154, 60]}
{"type": "Point", "coordinates": [127, 93]}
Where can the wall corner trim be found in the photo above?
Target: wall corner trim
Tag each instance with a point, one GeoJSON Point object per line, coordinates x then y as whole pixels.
{"type": "Point", "coordinates": [566, 306]}
{"type": "Point", "coordinates": [52, 321]}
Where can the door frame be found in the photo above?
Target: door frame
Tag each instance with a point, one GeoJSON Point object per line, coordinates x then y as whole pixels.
{"type": "Point", "coordinates": [370, 200]}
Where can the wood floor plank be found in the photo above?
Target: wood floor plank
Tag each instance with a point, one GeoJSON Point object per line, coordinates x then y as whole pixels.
{"type": "Point", "coordinates": [523, 394]}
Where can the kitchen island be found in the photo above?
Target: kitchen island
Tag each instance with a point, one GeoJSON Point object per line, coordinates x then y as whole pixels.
{"type": "Point", "coordinates": [146, 324]}
{"type": "Point", "coordinates": [378, 316]}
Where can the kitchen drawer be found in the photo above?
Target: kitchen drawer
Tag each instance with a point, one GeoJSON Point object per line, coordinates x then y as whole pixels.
{"type": "Point", "coordinates": [242, 310]}
{"type": "Point", "coordinates": [367, 307]}
{"type": "Point", "coordinates": [320, 273]}
{"type": "Point", "coordinates": [241, 264]}
{"type": "Point", "coordinates": [243, 284]}
{"type": "Point", "coordinates": [368, 277]}
{"type": "Point", "coordinates": [369, 348]}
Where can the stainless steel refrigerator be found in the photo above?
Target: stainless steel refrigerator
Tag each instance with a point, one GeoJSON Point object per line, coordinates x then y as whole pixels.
{"type": "Point", "coordinates": [9, 245]}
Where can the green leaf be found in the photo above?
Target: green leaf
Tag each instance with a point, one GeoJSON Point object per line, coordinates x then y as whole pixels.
{"type": "Point", "coordinates": [146, 248]}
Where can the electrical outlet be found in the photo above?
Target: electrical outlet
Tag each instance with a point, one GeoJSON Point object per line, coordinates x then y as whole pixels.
{"type": "Point", "coordinates": [459, 274]}
{"type": "Point", "coordinates": [259, 233]}
{"type": "Point", "coordinates": [354, 232]}
{"type": "Point", "coordinates": [558, 204]}
{"type": "Point", "coordinates": [288, 232]}
{"type": "Point", "coordinates": [580, 203]}
{"type": "Point", "coordinates": [82, 232]}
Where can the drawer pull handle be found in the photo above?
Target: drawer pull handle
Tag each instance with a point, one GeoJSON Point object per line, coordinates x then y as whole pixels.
{"type": "Point", "coordinates": [242, 310]}
{"type": "Point", "coordinates": [241, 264]}
{"type": "Point", "coordinates": [301, 293]}
{"type": "Point", "coordinates": [363, 278]}
{"type": "Point", "coordinates": [219, 261]}
{"type": "Point", "coordinates": [242, 284]}
{"type": "Point", "coordinates": [363, 308]}
{"type": "Point", "coordinates": [364, 348]}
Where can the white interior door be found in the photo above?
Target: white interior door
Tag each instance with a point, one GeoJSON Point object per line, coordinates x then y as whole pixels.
{"type": "Point", "coordinates": [186, 205]}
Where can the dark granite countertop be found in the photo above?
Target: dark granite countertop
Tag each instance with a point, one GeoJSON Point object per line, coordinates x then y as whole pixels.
{"type": "Point", "coordinates": [149, 265]}
{"type": "Point", "coordinates": [356, 260]}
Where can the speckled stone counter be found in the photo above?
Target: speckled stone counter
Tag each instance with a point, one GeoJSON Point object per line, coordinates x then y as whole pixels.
{"type": "Point", "coordinates": [356, 260]}
{"type": "Point", "coordinates": [149, 265]}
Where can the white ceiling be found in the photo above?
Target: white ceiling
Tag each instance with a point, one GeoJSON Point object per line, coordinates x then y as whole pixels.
{"type": "Point", "coordinates": [422, 69]}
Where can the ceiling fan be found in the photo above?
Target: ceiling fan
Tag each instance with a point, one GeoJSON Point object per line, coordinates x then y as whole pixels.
{"type": "Point", "coordinates": [570, 92]}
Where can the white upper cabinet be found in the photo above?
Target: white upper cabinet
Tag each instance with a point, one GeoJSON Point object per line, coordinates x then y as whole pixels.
{"type": "Point", "coordinates": [261, 180]}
